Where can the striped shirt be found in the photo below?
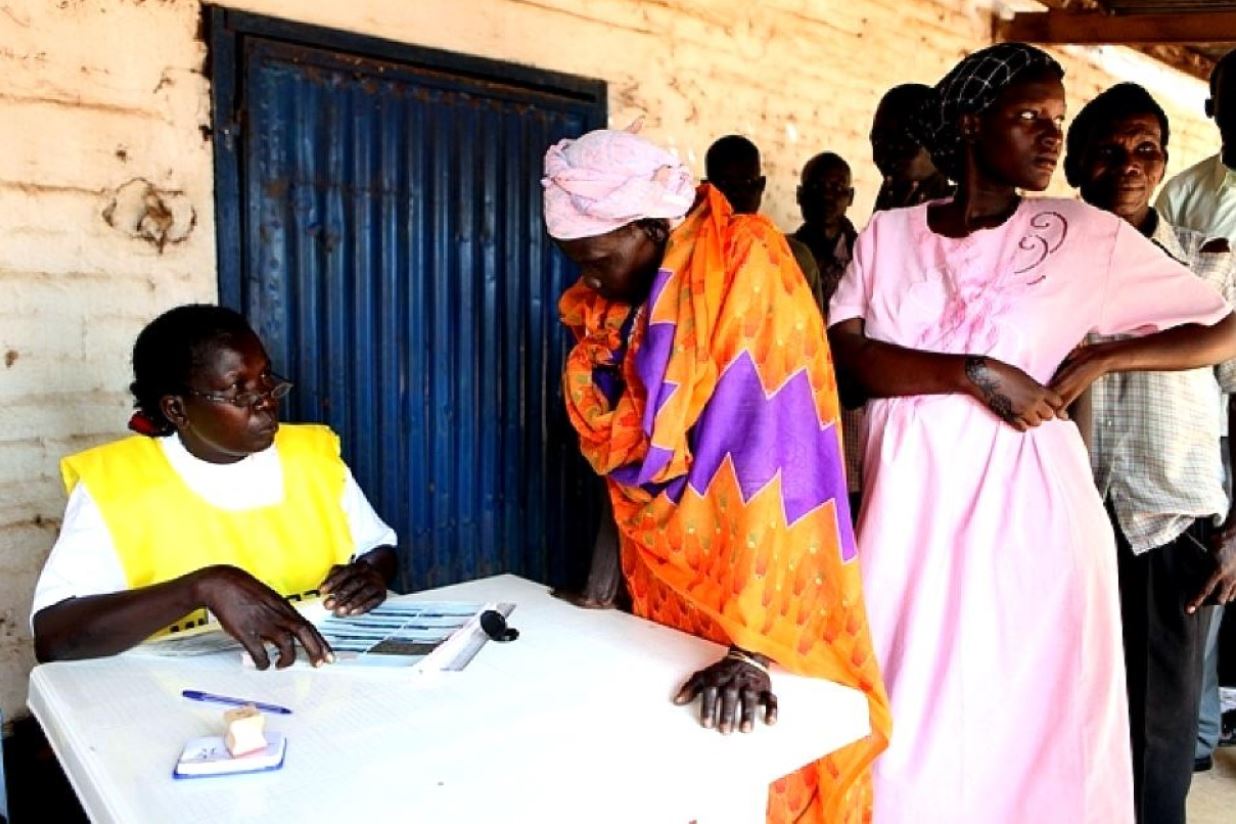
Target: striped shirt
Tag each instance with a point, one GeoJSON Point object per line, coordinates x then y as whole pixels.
{"type": "Point", "coordinates": [1155, 447]}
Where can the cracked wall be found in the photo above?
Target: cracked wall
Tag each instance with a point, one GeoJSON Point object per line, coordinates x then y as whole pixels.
{"type": "Point", "coordinates": [106, 191]}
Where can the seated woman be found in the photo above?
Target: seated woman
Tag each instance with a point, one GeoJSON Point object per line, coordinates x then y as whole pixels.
{"type": "Point", "coordinates": [213, 507]}
{"type": "Point", "coordinates": [702, 390]}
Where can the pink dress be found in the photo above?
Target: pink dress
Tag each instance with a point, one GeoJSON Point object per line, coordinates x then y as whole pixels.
{"type": "Point", "coordinates": [988, 562]}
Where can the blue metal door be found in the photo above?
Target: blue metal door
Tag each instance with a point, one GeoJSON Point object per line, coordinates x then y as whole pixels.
{"type": "Point", "coordinates": [380, 225]}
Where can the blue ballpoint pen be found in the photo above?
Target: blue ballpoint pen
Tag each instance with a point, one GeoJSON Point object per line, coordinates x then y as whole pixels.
{"type": "Point", "coordinates": [195, 695]}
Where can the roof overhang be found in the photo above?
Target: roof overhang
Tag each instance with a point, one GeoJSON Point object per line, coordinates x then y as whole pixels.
{"type": "Point", "coordinates": [1189, 35]}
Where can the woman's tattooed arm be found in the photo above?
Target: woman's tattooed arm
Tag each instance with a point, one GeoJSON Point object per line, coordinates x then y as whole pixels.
{"type": "Point", "coordinates": [989, 386]}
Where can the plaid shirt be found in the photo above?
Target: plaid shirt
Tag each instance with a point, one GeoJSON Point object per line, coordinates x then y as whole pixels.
{"type": "Point", "coordinates": [1155, 447]}
{"type": "Point", "coordinates": [852, 421]}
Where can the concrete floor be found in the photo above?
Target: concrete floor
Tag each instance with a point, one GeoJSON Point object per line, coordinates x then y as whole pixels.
{"type": "Point", "coordinates": [1212, 799]}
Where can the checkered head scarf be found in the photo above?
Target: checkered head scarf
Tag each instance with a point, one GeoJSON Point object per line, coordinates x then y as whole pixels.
{"type": "Point", "coordinates": [970, 88]}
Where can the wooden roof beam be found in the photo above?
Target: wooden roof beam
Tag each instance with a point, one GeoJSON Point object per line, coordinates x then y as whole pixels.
{"type": "Point", "coordinates": [1058, 27]}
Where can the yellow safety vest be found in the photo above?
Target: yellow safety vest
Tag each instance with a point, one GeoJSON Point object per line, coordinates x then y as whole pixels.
{"type": "Point", "coordinates": [162, 529]}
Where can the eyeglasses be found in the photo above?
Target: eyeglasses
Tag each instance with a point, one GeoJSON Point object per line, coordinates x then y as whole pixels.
{"type": "Point", "coordinates": [277, 387]}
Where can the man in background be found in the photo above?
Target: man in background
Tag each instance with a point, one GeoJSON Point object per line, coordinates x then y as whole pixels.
{"type": "Point", "coordinates": [732, 165]}
{"type": "Point", "coordinates": [825, 192]}
{"type": "Point", "coordinates": [1203, 198]}
{"type": "Point", "coordinates": [910, 178]}
{"type": "Point", "coordinates": [1157, 460]}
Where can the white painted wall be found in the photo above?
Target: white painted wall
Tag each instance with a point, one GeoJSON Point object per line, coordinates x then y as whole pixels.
{"type": "Point", "coordinates": [97, 94]}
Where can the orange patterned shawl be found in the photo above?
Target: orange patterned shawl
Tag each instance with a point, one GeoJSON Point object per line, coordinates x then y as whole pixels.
{"type": "Point", "coordinates": [715, 425]}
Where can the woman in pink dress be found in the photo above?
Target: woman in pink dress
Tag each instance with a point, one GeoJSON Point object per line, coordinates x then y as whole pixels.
{"type": "Point", "coordinates": [988, 562]}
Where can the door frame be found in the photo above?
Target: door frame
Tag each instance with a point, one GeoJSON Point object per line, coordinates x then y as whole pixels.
{"type": "Point", "coordinates": [226, 31]}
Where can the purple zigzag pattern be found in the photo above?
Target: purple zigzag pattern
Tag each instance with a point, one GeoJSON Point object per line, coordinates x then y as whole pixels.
{"type": "Point", "coordinates": [608, 378]}
{"type": "Point", "coordinates": [651, 364]}
{"type": "Point", "coordinates": [764, 435]}
{"type": "Point", "coordinates": [652, 360]}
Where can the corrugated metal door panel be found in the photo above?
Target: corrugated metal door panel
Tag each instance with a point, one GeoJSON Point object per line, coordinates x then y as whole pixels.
{"type": "Point", "coordinates": [396, 267]}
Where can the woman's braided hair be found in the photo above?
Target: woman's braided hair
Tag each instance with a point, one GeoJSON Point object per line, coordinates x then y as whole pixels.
{"type": "Point", "coordinates": [169, 350]}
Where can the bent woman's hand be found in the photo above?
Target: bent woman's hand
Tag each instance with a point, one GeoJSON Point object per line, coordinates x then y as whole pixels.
{"type": "Point", "coordinates": [731, 691]}
{"type": "Point", "coordinates": [1012, 396]}
{"type": "Point", "coordinates": [254, 614]}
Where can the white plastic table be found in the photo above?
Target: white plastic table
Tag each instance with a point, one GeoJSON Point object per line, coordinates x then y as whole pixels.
{"type": "Point", "coordinates": [572, 722]}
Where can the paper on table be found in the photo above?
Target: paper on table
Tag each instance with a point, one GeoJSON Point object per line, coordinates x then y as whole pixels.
{"type": "Point", "coordinates": [203, 640]}
{"type": "Point", "coordinates": [427, 636]}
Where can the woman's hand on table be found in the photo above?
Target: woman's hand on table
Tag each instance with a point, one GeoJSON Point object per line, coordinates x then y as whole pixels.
{"type": "Point", "coordinates": [1012, 395]}
{"type": "Point", "coordinates": [731, 692]}
{"type": "Point", "coordinates": [356, 588]}
{"type": "Point", "coordinates": [255, 615]}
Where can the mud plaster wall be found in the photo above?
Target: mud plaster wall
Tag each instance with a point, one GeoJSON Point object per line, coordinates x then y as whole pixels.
{"type": "Point", "coordinates": [106, 172]}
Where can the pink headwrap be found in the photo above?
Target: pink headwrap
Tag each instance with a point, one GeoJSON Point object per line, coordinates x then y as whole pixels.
{"type": "Point", "coordinates": [607, 179]}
